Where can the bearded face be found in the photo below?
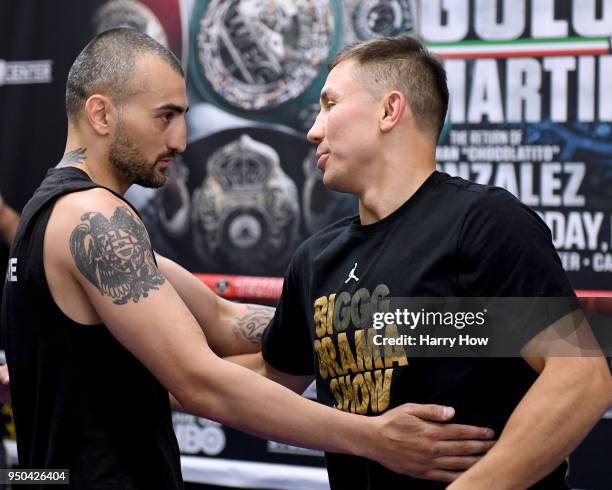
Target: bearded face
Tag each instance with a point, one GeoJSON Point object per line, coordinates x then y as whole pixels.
{"type": "Point", "coordinates": [125, 156]}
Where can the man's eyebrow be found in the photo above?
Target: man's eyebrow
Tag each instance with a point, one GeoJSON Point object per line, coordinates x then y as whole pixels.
{"type": "Point", "coordinates": [172, 107]}
{"type": "Point", "coordinates": [326, 94]}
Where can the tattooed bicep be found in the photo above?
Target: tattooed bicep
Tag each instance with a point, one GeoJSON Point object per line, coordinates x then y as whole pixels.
{"type": "Point", "coordinates": [115, 255]}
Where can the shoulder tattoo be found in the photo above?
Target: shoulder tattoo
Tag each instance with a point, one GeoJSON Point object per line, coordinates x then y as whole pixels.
{"type": "Point", "coordinates": [115, 255]}
{"type": "Point", "coordinates": [253, 323]}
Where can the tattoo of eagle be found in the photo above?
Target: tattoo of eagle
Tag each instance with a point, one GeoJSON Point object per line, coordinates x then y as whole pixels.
{"type": "Point", "coordinates": [115, 255]}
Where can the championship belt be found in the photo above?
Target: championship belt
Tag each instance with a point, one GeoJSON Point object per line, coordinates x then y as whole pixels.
{"type": "Point", "coordinates": [264, 59]}
{"type": "Point", "coordinates": [369, 19]}
{"type": "Point", "coordinates": [172, 200]}
{"type": "Point", "coordinates": [159, 19]}
{"type": "Point", "coordinates": [246, 211]}
{"type": "Point", "coordinates": [129, 13]}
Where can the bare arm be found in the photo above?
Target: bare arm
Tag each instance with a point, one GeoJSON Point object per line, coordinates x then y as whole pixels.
{"type": "Point", "coordinates": [234, 330]}
{"type": "Point", "coordinates": [438, 450]}
{"type": "Point", "coordinates": [146, 315]}
{"type": "Point", "coordinates": [230, 328]}
{"type": "Point", "coordinates": [9, 220]}
{"type": "Point", "coordinates": [558, 411]}
{"type": "Point", "coordinates": [256, 362]}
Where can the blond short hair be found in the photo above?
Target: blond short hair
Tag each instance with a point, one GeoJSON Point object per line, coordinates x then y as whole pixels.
{"type": "Point", "coordinates": [403, 63]}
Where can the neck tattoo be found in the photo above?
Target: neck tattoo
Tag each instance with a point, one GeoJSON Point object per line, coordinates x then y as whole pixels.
{"type": "Point", "coordinates": [72, 157]}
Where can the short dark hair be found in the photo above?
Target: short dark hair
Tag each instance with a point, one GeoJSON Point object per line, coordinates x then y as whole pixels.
{"type": "Point", "coordinates": [403, 63]}
{"type": "Point", "coordinates": [106, 64]}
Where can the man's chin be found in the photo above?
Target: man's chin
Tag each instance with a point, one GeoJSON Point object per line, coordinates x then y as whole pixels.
{"type": "Point", "coordinates": [153, 183]}
{"type": "Point", "coordinates": [335, 183]}
{"type": "Point", "coordinates": [330, 182]}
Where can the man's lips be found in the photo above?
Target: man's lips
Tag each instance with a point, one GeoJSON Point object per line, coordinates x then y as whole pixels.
{"type": "Point", "coordinates": [165, 162]}
{"type": "Point", "coordinates": [321, 159]}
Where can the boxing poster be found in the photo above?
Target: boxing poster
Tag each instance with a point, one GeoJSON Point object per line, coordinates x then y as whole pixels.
{"type": "Point", "coordinates": [531, 111]}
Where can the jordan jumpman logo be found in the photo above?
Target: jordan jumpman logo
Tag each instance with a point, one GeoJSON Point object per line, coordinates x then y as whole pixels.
{"type": "Point", "coordinates": [352, 274]}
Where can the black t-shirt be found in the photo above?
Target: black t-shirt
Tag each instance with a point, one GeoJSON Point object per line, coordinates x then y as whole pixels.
{"type": "Point", "coordinates": [452, 238]}
{"type": "Point", "coordinates": [80, 400]}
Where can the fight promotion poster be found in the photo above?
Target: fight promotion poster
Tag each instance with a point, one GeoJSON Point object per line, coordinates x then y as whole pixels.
{"type": "Point", "coordinates": [531, 111]}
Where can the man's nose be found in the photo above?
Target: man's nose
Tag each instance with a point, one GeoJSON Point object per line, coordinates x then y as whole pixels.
{"type": "Point", "coordinates": [317, 131]}
{"type": "Point", "coordinates": [178, 138]}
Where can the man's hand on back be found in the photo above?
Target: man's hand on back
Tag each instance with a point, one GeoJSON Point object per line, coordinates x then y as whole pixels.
{"type": "Point", "coordinates": [418, 441]}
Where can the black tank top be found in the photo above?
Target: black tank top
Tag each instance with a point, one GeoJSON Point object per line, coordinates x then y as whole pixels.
{"type": "Point", "coordinates": [80, 400]}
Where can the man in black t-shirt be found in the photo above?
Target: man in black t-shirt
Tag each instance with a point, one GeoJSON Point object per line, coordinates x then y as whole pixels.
{"type": "Point", "coordinates": [421, 233]}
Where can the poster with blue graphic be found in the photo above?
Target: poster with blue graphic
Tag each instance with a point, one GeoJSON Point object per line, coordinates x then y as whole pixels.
{"type": "Point", "coordinates": [531, 111]}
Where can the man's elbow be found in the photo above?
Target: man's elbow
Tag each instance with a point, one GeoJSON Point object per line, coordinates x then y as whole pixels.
{"type": "Point", "coordinates": [206, 392]}
{"type": "Point", "coordinates": [588, 378]}
{"type": "Point", "coordinates": [606, 376]}
{"type": "Point", "coordinates": [195, 392]}
{"type": "Point", "coordinates": [184, 397]}
{"type": "Point", "coordinates": [599, 382]}
{"type": "Point", "coordinates": [191, 404]}
{"type": "Point", "coordinates": [202, 402]}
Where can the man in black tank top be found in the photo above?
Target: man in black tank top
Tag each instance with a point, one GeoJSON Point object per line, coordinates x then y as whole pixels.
{"type": "Point", "coordinates": [94, 326]}
{"type": "Point", "coordinates": [9, 220]}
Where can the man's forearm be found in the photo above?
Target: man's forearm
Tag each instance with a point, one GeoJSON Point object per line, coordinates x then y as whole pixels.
{"type": "Point", "coordinates": [237, 329]}
{"type": "Point", "coordinates": [269, 410]}
{"type": "Point", "coordinates": [230, 328]}
{"type": "Point", "coordinates": [559, 410]}
{"type": "Point", "coordinates": [250, 323]}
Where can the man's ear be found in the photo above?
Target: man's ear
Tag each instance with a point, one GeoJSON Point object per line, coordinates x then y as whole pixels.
{"type": "Point", "coordinates": [393, 109]}
{"type": "Point", "coordinates": [101, 114]}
